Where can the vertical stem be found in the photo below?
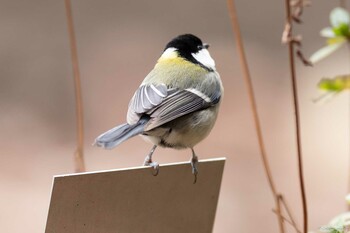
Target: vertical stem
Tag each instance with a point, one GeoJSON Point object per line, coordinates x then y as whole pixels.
{"type": "Point", "coordinates": [249, 85]}
{"type": "Point", "coordinates": [79, 153]}
{"type": "Point", "coordinates": [348, 189]}
{"type": "Point", "coordinates": [283, 201]}
{"type": "Point", "coordinates": [342, 3]}
{"type": "Point", "coordinates": [297, 117]}
{"type": "Point", "coordinates": [347, 204]}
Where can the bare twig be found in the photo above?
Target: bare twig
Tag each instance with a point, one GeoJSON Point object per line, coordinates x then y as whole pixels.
{"type": "Point", "coordinates": [303, 59]}
{"type": "Point", "coordinates": [79, 153]}
{"type": "Point", "coordinates": [296, 9]}
{"type": "Point", "coordinates": [297, 117]}
{"type": "Point", "coordinates": [287, 220]}
{"type": "Point", "coordinates": [286, 37]}
{"type": "Point", "coordinates": [291, 217]}
{"type": "Point", "coordinates": [249, 85]}
{"type": "Point", "coordinates": [347, 203]}
{"type": "Point", "coordinates": [342, 3]}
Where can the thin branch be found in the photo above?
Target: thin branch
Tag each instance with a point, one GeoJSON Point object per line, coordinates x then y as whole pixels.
{"type": "Point", "coordinates": [288, 221]}
{"type": "Point", "coordinates": [286, 207]}
{"type": "Point", "coordinates": [305, 61]}
{"type": "Point", "coordinates": [347, 204]}
{"type": "Point", "coordinates": [297, 117]}
{"type": "Point", "coordinates": [79, 153]}
{"type": "Point", "coordinates": [342, 3]}
{"type": "Point", "coordinates": [249, 85]}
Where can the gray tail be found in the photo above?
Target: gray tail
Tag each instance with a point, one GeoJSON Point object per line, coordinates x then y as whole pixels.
{"type": "Point", "coordinates": [119, 134]}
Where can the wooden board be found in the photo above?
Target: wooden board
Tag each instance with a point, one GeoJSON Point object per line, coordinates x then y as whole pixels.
{"type": "Point", "coordinates": [132, 200]}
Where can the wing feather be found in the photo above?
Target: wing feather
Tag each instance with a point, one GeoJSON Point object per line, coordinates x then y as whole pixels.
{"type": "Point", "coordinates": [144, 99]}
{"type": "Point", "coordinates": [176, 105]}
{"type": "Point", "coordinates": [164, 105]}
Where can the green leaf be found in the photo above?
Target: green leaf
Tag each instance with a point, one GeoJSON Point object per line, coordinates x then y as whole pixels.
{"type": "Point", "coordinates": [336, 84]}
{"type": "Point", "coordinates": [339, 16]}
{"type": "Point", "coordinates": [342, 30]}
{"type": "Point", "coordinates": [325, 52]}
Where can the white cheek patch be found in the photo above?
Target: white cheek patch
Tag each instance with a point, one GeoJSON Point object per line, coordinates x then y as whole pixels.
{"type": "Point", "coordinates": [204, 57]}
{"type": "Point", "coordinates": [169, 53]}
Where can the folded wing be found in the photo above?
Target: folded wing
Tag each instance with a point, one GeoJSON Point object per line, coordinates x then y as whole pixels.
{"type": "Point", "coordinates": [164, 104]}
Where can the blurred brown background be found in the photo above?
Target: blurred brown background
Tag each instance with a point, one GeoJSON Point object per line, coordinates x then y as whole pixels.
{"type": "Point", "coordinates": [118, 44]}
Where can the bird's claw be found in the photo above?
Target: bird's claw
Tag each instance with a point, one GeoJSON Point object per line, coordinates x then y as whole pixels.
{"type": "Point", "coordinates": [155, 166]}
{"type": "Point", "coordinates": [150, 163]}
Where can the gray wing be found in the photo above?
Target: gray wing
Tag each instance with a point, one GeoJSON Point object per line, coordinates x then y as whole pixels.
{"type": "Point", "coordinates": [145, 99]}
{"type": "Point", "coordinates": [166, 105]}
{"type": "Point", "coordinates": [148, 96]}
{"type": "Point", "coordinates": [178, 104]}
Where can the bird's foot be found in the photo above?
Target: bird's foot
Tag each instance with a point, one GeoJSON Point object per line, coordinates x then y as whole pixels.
{"type": "Point", "coordinates": [148, 162]}
{"type": "Point", "coordinates": [194, 165]}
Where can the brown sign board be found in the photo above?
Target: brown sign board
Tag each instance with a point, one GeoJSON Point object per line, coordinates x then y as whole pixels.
{"type": "Point", "coordinates": [132, 200]}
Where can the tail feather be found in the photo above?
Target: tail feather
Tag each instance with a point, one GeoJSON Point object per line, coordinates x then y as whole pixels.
{"type": "Point", "coordinates": [119, 134]}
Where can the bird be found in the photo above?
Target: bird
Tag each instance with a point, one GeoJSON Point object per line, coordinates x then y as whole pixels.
{"type": "Point", "coordinates": [177, 103]}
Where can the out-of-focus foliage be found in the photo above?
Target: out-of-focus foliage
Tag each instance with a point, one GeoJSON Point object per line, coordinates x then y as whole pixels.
{"type": "Point", "coordinates": [337, 35]}
{"type": "Point", "coordinates": [332, 86]}
{"type": "Point", "coordinates": [339, 224]}
{"type": "Point", "coordinates": [336, 84]}
{"type": "Point", "coordinates": [333, 229]}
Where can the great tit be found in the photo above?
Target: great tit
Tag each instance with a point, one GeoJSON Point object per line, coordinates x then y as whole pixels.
{"type": "Point", "coordinates": [177, 103]}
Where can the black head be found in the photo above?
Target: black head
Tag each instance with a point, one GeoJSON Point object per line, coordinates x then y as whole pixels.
{"type": "Point", "coordinates": [192, 49]}
{"type": "Point", "coordinates": [186, 43]}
